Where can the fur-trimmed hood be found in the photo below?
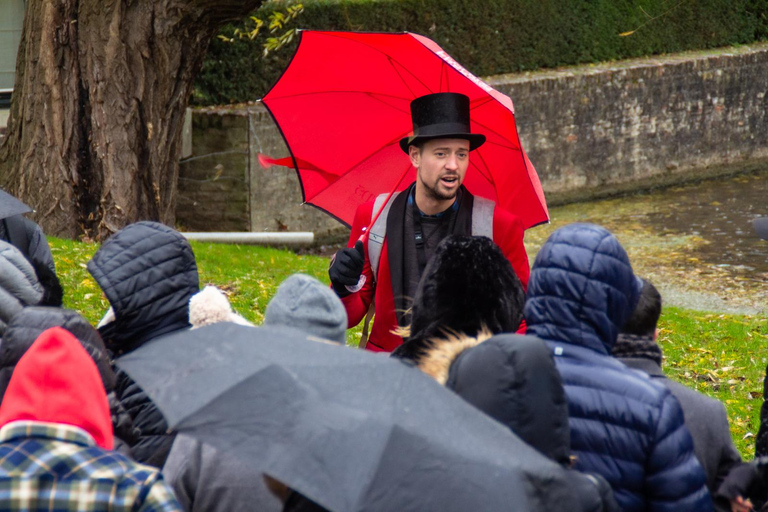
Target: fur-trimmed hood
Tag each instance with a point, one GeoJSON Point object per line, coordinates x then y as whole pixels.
{"type": "Point", "coordinates": [511, 378]}
{"type": "Point", "coordinates": [467, 286]}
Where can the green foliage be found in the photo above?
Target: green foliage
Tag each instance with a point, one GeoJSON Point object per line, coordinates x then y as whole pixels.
{"type": "Point", "coordinates": [497, 36]}
{"type": "Point", "coordinates": [277, 20]}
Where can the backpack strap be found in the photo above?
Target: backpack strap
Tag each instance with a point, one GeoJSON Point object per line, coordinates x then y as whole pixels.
{"type": "Point", "coordinates": [482, 217]}
{"type": "Point", "coordinates": [368, 316]}
{"type": "Point", "coordinates": [378, 231]}
{"type": "Point", "coordinates": [16, 231]}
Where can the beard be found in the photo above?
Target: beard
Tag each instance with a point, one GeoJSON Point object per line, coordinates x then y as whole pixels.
{"type": "Point", "coordinates": [436, 192]}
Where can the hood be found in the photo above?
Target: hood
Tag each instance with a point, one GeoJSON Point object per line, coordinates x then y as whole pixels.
{"type": "Point", "coordinates": [511, 378]}
{"type": "Point", "coordinates": [57, 382]}
{"type": "Point", "coordinates": [19, 285]}
{"type": "Point", "coordinates": [29, 324]}
{"type": "Point", "coordinates": [148, 273]}
{"type": "Point", "coordinates": [306, 304]}
{"type": "Point", "coordinates": [582, 289]}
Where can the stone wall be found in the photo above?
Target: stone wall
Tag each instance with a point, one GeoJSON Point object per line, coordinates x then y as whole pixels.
{"type": "Point", "coordinates": [590, 131]}
{"type": "Point", "coordinates": [597, 130]}
{"type": "Point", "coordinates": [222, 187]}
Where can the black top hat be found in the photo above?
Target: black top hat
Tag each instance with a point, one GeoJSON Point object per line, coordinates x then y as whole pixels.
{"type": "Point", "coordinates": [443, 115]}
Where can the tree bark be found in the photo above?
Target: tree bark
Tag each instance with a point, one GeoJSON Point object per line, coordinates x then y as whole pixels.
{"type": "Point", "coordinates": [93, 138]}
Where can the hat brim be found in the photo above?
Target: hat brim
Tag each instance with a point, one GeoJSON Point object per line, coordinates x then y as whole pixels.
{"type": "Point", "coordinates": [475, 139]}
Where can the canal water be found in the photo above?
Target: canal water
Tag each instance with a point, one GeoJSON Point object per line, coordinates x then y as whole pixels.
{"type": "Point", "coordinates": [695, 242]}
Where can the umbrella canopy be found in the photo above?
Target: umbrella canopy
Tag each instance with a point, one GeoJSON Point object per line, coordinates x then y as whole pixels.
{"type": "Point", "coordinates": [10, 206]}
{"type": "Point", "coordinates": [343, 104]}
{"type": "Point", "coordinates": [351, 430]}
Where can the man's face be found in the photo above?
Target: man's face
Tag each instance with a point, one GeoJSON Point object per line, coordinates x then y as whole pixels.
{"type": "Point", "coordinates": [441, 166]}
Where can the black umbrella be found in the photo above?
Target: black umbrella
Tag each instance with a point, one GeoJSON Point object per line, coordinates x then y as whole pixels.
{"type": "Point", "coordinates": [10, 206]}
{"type": "Point", "coordinates": [353, 431]}
{"type": "Point", "coordinates": [761, 227]}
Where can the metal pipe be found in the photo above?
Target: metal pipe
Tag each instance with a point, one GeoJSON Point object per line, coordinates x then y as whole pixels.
{"type": "Point", "coordinates": [294, 238]}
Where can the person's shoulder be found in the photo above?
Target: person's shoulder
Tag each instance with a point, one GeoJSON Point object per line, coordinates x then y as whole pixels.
{"type": "Point", "coordinates": [700, 400]}
{"type": "Point", "coordinates": [613, 376]}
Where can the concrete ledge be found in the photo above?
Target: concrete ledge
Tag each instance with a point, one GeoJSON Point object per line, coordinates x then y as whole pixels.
{"type": "Point", "coordinates": [296, 239]}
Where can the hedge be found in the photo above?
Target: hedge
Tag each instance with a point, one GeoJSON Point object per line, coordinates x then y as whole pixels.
{"type": "Point", "coordinates": [496, 36]}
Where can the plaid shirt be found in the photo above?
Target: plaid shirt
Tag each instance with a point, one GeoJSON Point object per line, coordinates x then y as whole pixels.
{"type": "Point", "coordinates": [55, 467]}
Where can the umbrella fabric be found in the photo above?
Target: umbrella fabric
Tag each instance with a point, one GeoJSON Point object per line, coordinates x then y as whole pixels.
{"type": "Point", "coordinates": [10, 206]}
{"type": "Point", "coordinates": [351, 430]}
{"type": "Point", "coordinates": [343, 104]}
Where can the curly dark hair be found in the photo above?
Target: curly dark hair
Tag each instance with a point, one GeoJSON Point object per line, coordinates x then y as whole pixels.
{"type": "Point", "coordinates": [468, 286]}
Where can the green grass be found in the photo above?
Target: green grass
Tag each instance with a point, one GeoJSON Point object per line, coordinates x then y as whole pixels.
{"type": "Point", "coordinates": [249, 275]}
{"type": "Point", "coordinates": [720, 355]}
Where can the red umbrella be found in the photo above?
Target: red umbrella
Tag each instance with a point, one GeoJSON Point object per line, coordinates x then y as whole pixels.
{"type": "Point", "coordinates": [344, 103]}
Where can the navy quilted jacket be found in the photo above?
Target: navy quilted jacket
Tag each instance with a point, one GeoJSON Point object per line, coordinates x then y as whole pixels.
{"type": "Point", "coordinates": [623, 426]}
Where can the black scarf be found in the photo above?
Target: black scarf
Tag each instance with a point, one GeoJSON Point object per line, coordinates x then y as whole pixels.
{"type": "Point", "coordinates": [395, 242]}
{"type": "Point", "coordinates": [634, 345]}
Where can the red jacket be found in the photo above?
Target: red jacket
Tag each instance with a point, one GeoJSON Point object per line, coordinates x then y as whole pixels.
{"type": "Point", "coordinates": [507, 233]}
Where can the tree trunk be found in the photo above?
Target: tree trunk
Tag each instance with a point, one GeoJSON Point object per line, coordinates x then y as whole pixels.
{"type": "Point", "coordinates": [93, 138]}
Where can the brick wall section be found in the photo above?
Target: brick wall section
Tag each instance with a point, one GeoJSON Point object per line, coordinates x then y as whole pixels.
{"type": "Point", "coordinates": [590, 131]}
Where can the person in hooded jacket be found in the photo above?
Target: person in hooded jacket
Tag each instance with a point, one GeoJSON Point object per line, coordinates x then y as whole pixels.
{"type": "Point", "coordinates": [20, 285]}
{"type": "Point", "coordinates": [513, 379]}
{"type": "Point", "coordinates": [468, 287]}
{"type": "Point", "coordinates": [27, 325]}
{"type": "Point", "coordinates": [24, 233]}
{"type": "Point", "coordinates": [56, 439]}
{"type": "Point", "coordinates": [623, 426]}
{"type": "Point", "coordinates": [148, 273]}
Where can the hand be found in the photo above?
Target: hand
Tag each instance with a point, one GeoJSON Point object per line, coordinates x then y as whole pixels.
{"type": "Point", "coordinates": [346, 267]}
{"type": "Point", "coordinates": [741, 505]}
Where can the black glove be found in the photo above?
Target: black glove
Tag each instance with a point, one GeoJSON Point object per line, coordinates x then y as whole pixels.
{"type": "Point", "coordinates": [346, 267]}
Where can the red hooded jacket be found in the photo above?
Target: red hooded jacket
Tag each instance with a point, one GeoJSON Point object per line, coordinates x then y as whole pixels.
{"type": "Point", "coordinates": [56, 381]}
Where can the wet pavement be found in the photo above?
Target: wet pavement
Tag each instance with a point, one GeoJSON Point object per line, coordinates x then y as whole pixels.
{"type": "Point", "coordinates": [695, 242]}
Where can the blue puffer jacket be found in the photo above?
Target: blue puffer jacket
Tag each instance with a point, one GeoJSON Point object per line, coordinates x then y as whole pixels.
{"type": "Point", "coordinates": [623, 426]}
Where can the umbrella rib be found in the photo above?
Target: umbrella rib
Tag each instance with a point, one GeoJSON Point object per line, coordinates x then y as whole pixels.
{"type": "Point", "coordinates": [371, 155]}
{"type": "Point", "coordinates": [391, 63]}
{"type": "Point", "coordinates": [482, 101]}
{"type": "Point", "coordinates": [488, 177]}
{"type": "Point", "coordinates": [377, 98]}
{"type": "Point", "coordinates": [390, 58]}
